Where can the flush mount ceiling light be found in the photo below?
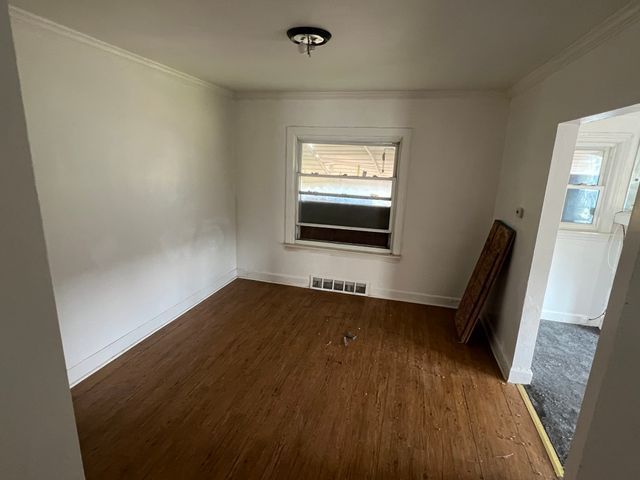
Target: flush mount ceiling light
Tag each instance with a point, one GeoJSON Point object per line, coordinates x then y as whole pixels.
{"type": "Point", "coordinates": [308, 38]}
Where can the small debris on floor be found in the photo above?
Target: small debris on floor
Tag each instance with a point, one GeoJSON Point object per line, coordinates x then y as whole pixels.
{"type": "Point", "coordinates": [348, 337]}
{"type": "Point", "coordinates": [328, 343]}
{"type": "Point", "coordinates": [505, 456]}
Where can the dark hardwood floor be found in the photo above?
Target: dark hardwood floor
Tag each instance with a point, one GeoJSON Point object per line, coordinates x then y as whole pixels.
{"type": "Point", "coordinates": [255, 382]}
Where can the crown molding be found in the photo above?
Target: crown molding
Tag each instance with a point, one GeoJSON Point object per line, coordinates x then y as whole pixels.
{"type": "Point", "coordinates": [23, 16]}
{"type": "Point", "coordinates": [612, 26]}
{"type": "Point", "coordinates": [609, 28]}
{"type": "Point", "coordinates": [365, 94]}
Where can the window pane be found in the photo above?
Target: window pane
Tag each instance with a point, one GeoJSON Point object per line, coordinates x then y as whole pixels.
{"type": "Point", "coordinates": [343, 200]}
{"type": "Point", "coordinates": [351, 237]}
{"type": "Point", "coordinates": [586, 167]}
{"type": "Point", "coordinates": [580, 205]}
{"type": "Point", "coordinates": [352, 160]}
{"type": "Point", "coordinates": [344, 215]}
{"type": "Point", "coordinates": [346, 186]}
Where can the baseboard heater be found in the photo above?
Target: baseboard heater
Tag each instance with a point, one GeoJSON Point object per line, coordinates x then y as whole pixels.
{"type": "Point", "coordinates": [341, 286]}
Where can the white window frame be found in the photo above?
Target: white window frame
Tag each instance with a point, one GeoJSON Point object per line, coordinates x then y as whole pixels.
{"type": "Point", "coordinates": [601, 187]}
{"type": "Point", "coordinates": [612, 174]}
{"type": "Point", "coordinates": [401, 137]}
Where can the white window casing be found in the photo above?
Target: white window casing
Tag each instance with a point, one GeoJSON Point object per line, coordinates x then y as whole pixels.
{"type": "Point", "coordinates": [614, 178]}
{"type": "Point", "coordinates": [399, 137]}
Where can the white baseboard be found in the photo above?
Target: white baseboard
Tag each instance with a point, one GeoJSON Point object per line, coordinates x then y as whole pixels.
{"type": "Point", "coordinates": [415, 297]}
{"type": "Point", "coordinates": [520, 376]}
{"type": "Point", "coordinates": [575, 318]}
{"type": "Point", "coordinates": [279, 278]}
{"type": "Point", "coordinates": [388, 294]}
{"type": "Point", "coordinates": [95, 362]}
{"type": "Point", "coordinates": [509, 373]}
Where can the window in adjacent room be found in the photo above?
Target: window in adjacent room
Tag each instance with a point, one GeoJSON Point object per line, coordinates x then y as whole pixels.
{"type": "Point", "coordinates": [585, 190]}
{"type": "Point", "coordinates": [346, 193]}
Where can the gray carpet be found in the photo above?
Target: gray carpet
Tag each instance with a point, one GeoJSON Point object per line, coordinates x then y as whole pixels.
{"type": "Point", "coordinates": [561, 364]}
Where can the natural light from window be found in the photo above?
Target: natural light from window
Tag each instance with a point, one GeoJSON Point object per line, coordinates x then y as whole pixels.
{"type": "Point", "coordinates": [585, 187]}
{"type": "Point", "coordinates": [346, 193]}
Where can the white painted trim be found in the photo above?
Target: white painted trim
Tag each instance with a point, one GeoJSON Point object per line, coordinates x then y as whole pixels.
{"type": "Point", "coordinates": [415, 297]}
{"type": "Point", "coordinates": [366, 94]}
{"type": "Point", "coordinates": [297, 134]}
{"type": "Point", "coordinates": [496, 349]}
{"type": "Point", "coordinates": [279, 278]}
{"type": "Point", "coordinates": [20, 15]}
{"type": "Point", "coordinates": [609, 28]}
{"type": "Point", "coordinates": [343, 247]}
{"type": "Point", "coordinates": [520, 376]}
{"type": "Point", "coordinates": [509, 373]}
{"type": "Point", "coordinates": [573, 318]}
{"type": "Point", "coordinates": [584, 236]}
{"type": "Point", "coordinates": [536, 286]}
{"type": "Point", "coordinates": [343, 250]}
{"type": "Point", "coordinates": [95, 362]}
{"type": "Point", "coordinates": [376, 292]}
{"type": "Point", "coordinates": [616, 174]}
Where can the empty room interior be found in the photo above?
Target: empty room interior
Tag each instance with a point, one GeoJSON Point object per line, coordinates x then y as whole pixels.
{"type": "Point", "coordinates": [297, 240]}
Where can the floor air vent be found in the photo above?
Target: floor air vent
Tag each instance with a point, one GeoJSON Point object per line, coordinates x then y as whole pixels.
{"type": "Point", "coordinates": [341, 286]}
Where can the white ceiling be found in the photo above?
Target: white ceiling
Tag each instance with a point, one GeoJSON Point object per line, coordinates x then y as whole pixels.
{"type": "Point", "coordinates": [376, 45]}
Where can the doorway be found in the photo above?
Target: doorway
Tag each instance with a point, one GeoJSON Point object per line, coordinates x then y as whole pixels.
{"type": "Point", "coordinates": [591, 195]}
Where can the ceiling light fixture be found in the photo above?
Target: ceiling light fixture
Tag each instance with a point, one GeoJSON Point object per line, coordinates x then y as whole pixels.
{"type": "Point", "coordinates": [308, 38]}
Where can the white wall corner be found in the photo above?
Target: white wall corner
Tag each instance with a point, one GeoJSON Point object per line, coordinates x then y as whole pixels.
{"type": "Point", "coordinates": [96, 361]}
{"type": "Point", "coordinates": [510, 373]}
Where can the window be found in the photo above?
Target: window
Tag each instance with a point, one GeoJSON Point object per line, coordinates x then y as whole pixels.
{"type": "Point", "coordinates": [585, 190]}
{"type": "Point", "coordinates": [345, 191]}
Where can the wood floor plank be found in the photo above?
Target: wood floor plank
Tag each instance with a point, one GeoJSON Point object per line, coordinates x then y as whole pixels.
{"type": "Point", "coordinates": [256, 382]}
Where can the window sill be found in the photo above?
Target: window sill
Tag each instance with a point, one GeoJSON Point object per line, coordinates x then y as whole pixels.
{"type": "Point", "coordinates": [345, 250]}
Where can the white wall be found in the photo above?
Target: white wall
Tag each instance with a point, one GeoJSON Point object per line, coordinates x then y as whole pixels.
{"type": "Point", "coordinates": [581, 277]}
{"type": "Point", "coordinates": [455, 156]}
{"type": "Point", "coordinates": [133, 165]}
{"type": "Point", "coordinates": [601, 80]}
{"type": "Point", "coordinates": [37, 429]}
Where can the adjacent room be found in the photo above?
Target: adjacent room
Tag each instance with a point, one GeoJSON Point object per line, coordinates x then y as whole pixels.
{"type": "Point", "coordinates": [319, 240]}
{"type": "Point", "coordinates": [599, 198]}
